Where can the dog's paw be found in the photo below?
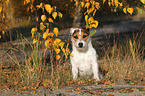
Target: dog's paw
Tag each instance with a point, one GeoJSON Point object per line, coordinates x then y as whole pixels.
{"type": "Point", "coordinates": [96, 78]}
{"type": "Point", "coordinates": [75, 78]}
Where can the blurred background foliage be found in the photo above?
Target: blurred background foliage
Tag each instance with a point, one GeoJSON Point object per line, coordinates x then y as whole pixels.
{"type": "Point", "coordinates": [17, 12]}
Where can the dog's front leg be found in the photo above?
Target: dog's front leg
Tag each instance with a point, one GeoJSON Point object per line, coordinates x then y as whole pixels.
{"type": "Point", "coordinates": [75, 72]}
{"type": "Point", "coordinates": [95, 68]}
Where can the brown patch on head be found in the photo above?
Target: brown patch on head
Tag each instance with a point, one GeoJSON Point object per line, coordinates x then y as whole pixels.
{"type": "Point", "coordinates": [84, 35]}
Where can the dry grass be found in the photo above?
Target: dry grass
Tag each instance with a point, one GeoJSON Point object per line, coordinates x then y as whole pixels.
{"type": "Point", "coordinates": [124, 60]}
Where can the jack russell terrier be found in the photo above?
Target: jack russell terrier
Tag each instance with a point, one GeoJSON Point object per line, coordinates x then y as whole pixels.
{"type": "Point", "coordinates": [84, 59]}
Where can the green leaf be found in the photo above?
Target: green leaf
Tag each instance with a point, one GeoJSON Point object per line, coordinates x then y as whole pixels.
{"type": "Point", "coordinates": [87, 26]}
{"type": "Point", "coordinates": [140, 11]}
{"type": "Point", "coordinates": [42, 27]}
{"type": "Point", "coordinates": [92, 32]}
{"type": "Point", "coordinates": [38, 34]}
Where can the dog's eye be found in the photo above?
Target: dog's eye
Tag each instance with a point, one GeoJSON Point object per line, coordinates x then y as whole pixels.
{"type": "Point", "coordinates": [84, 36]}
{"type": "Point", "coordinates": [76, 37]}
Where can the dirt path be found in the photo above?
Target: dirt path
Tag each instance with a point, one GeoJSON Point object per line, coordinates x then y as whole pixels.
{"type": "Point", "coordinates": [92, 90]}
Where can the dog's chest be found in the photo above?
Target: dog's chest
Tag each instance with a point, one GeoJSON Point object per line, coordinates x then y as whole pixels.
{"type": "Point", "coordinates": [83, 60]}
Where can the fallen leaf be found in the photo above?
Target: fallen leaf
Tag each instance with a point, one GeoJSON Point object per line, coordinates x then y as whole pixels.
{"type": "Point", "coordinates": [110, 94]}
{"type": "Point", "coordinates": [15, 83]}
{"type": "Point", "coordinates": [34, 92]}
{"type": "Point", "coordinates": [120, 90]}
{"type": "Point", "coordinates": [23, 88]}
{"type": "Point", "coordinates": [111, 90]}
{"type": "Point", "coordinates": [142, 89]}
{"type": "Point", "coordinates": [135, 81]}
{"type": "Point", "coordinates": [131, 90]}
{"type": "Point", "coordinates": [69, 90]}
{"type": "Point", "coordinates": [78, 89]}
{"type": "Point", "coordinates": [7, 86]}
{"type": "Point", "coordinates": [131, 83]}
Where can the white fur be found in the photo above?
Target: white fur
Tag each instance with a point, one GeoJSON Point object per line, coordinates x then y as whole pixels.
{"type": "Point", "coordinates": [84, 60]}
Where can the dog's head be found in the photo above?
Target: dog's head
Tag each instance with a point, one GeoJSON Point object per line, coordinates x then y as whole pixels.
{"type": "Point", "coordinates": [80, 38]}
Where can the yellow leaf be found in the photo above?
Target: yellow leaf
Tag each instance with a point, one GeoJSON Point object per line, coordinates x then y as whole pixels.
{"type": "Point", "coordinates": [34, 92]}
{"type": "Point", "coordinates": [77, 3]}
{"type": "Point", "coordinates": [34, 41]}
{"type": "Point", "coordinates": [121, 4]}
{"type": "Point", "coordinates": [143, 1]}
{"type": "Point", "coordinates": [48, 8]}
{"type": "Point", "coordinates": [90, 20]}
{"type": "Point", "coordinates": [94, 24]}
{"type": "Point", "coordinates": [55, 30]}
{"type": "Point", "coordinates": [47, 30]}
{"type": "Point", "coordinates": [38, 6]}
{"type": "Point", "coordinates": [130, 10]}
{"type": "Point", "coordinates": [60, 14]}
{"type": "Point", "coordinates": [0, 36]}
{"type": "Point", "coordinates": [50, 34]}
{"type": "Point", "coordinates": [71, 55]}
{"type": "Point", "coordinates": [61, 44]}
{"type": "Point", "coordinates": [63, 50]}
{"type": "Point", "coordinates": [97, 6]}
{"type": "Point", "coordinates": [124, 10]}
{"type": "Point", "coordinates": [86, 18]}
{"type": "Point", "coordinates": [82, 4]}
{"type": "Point", "coordinates": [87, 4]}
{"type": "Point", "coordinates": [45, 35]}
{"type": "Point", "coordinates": [33, 31]}
{"type": "Point", "coordinates": [57, 50]}
{"type": "Point", "coordinates": [48, 43]}
{"type": "Point", "coordinates": [50, 20]}
{"type": "Point", "coordinates": [43, 18]}
{"type": "Point", "coordinates": [7, 1]}
{"type": "Point", "coordinates": [94, 12]}
{"type": "Point", "coordinates": [0, 9]}
{"type": "Point", "coordinates": [54, 14]}
{"type": "Point", "coordinates": [58, 57]}
{"type": "Point", "coordinates": [104, 1]}
{"type": "Point", "coordinates": [57, 40]}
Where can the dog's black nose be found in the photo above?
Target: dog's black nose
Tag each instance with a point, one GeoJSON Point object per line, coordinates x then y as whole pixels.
{"type": "Point", "coordinates": [80, 45]}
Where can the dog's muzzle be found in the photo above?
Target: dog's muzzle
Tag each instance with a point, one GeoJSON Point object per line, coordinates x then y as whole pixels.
{"type": "Point", "coordinates": [80, 45]}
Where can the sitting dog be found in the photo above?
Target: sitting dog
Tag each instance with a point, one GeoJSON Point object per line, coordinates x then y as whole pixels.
{"type": "Point", "coordinates": [84, 59]}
